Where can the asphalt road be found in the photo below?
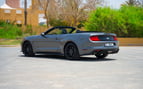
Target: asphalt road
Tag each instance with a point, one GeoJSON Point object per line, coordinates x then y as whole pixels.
{"type": "Point", "coordinates": [120, 71]}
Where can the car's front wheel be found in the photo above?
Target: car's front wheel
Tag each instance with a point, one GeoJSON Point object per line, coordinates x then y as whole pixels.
{"type": "Point", "coordinates": [28, 50]}
{"type": "Point", "coordinates": [101, 54]}
{"type": "Point", "coordinates": [71, 51]}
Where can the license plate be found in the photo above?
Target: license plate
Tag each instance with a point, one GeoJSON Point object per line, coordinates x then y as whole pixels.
{"type": "Point", "coordinates": [109, 44]}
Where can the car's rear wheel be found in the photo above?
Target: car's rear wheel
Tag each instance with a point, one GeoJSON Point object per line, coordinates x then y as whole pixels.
{"type": "Point", "coordinates": [101, 54]}
{"type": "Point", "coordinates": [28, 50]}
{"type": "Point", "coordinates": [71, 51]}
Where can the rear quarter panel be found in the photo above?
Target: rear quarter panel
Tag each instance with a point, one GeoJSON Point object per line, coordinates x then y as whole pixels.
{"type": "Point", "coordinates": [80, 39]}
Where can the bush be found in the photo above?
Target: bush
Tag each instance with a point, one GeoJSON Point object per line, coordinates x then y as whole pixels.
{"type": "Point", "coordinates": [55, 22]}
{"type": "Point", "coordinates": [2, 23]}
{"type": "Point", "coordinates": [125, 22]}
{"type": "Point", "coordinates": [9, 31]}
{"type": "Point", "coordinates": [133, 17]}
{"type": "Point", "coordinates": [29, 30]}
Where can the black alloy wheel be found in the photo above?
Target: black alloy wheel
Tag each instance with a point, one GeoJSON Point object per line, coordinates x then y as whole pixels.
{"type": "Point", "coordinates": [71, 51]}
{"type": "Point", "coordinates": [28, 50]}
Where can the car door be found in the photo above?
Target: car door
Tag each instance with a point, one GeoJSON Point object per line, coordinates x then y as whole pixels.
{"type": "Point", "coordinates": [49, 42]}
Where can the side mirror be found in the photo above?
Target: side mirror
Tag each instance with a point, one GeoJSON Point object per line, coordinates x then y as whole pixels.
{"type": "Point", "coordinates": [43, 34]}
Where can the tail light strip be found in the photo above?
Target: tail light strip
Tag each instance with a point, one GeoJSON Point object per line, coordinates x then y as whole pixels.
{"type": "Point", "coordinates": [96, 38]}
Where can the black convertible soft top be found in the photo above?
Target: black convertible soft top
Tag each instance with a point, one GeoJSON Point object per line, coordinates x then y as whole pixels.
{"type": "Point", "coordinates": [73, 29]}
{"type": "Point", "coordinates": [61, 27]}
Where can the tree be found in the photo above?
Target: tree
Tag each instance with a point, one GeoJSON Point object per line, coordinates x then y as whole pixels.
{"type": "Point", "coordinates": [140, 3]}
{"type": "Point", "coordinates": [125, 22]}
{"type": "Point", "coordinates": [72, 11]}
{"type": "Point", "coordinates": [106, 20]}
{"type": "Point", "coordinates": [134, 3]}
{"type": "Point", "coordinates": [48, 7]}
{"type": "Point", "coordinates": [67, 11]}
{"type": "Point", "coordinates": [131, 2]}
{"type": "Point", "coordinates": [76, 11]}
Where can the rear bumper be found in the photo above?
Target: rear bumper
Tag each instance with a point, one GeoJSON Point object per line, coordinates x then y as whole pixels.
{"type": "Point", "coordinates": [90, 48]}
{"type": "Point", "coordinates": [109, 51]}
{"type": "Point", "coordinates": [95, 50]}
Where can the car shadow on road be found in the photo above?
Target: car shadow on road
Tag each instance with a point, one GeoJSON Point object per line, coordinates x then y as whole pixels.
{"type": "Point", "coordinates": [56, 57]}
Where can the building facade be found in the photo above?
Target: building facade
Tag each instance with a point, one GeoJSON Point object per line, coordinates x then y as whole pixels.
{"type": "Point", "coordinates": [11, 12]}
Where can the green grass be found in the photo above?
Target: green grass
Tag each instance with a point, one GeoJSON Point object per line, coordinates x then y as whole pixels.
{"type": "Point", "coordinates": [10, 41]}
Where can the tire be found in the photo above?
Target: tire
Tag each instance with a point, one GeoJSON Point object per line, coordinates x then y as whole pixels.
{"type": "Point", "coordinates": [28, 50]}
{"type": "Point", "coordinates": [101, 54]}
{"type": "Point", "coordinates": [71, 51]}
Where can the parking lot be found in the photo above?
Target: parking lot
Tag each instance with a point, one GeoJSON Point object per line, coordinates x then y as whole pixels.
{"type": "Point", "coordinates": [119, 71]}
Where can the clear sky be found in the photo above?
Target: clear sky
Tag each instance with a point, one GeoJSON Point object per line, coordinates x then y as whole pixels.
{"type": "Point", "coordinates": [112, 3]}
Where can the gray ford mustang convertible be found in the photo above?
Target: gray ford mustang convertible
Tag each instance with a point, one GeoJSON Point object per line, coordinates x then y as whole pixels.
{"type": "Point", "coordinates": [71, 43]}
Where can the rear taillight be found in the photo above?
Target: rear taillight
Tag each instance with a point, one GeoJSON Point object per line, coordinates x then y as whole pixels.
{"type": "Point", "coordinates": [115, 38]}
{"type": "Point", "coordinates": [94, 38]}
